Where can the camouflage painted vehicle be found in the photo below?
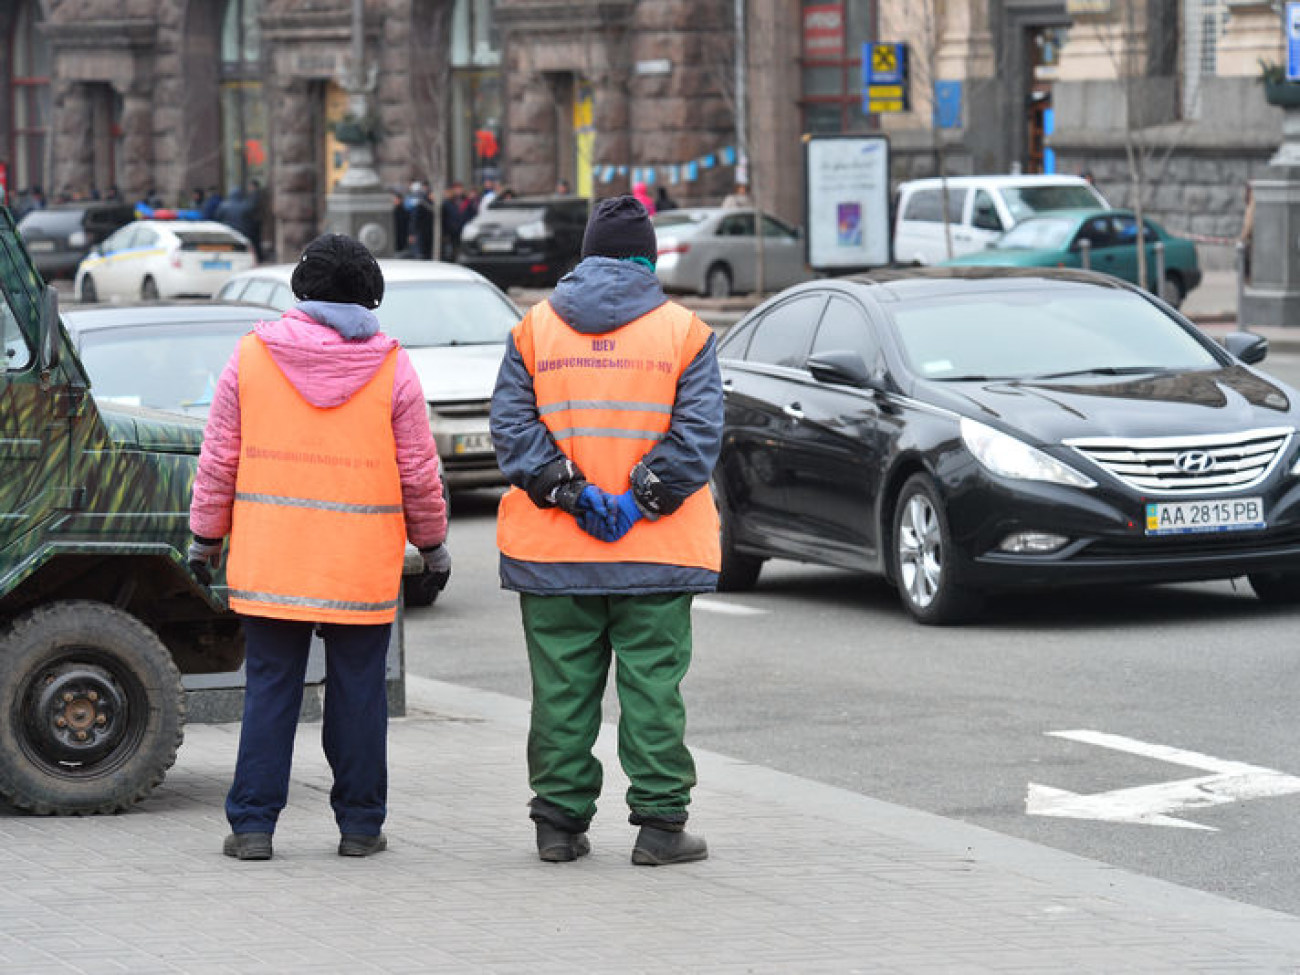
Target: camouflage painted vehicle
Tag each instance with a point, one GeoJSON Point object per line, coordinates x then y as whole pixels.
{"type": "Point", "coordinates": [99, 613]}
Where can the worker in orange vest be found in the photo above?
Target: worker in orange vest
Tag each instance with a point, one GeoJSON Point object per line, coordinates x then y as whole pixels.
{"type": "Point", "coordinates": [607, 420]}
{"type": "Point", "coordinates": [319, 464]}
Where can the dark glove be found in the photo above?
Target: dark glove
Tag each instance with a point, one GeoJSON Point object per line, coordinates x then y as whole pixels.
{"type": "Point", "coordinates": [626, 514]}
{"type": "Point", "coordinates": [595, 512]}
{"type": "Point", "coordinates": [204, 557]}
{"type": "Point", "coordinates": [437, 562]}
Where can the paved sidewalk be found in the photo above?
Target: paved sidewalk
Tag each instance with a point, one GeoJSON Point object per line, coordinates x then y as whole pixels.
{"type": "Point", "coordinates": [803, 878]}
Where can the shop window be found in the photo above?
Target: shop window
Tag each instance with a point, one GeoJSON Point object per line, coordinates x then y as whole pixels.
{"type": "Point", "coordinates": [833, 35]}
{"type": "Point", "coordinates": [243, 108]}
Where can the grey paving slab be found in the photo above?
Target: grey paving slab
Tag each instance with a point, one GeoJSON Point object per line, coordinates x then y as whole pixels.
{"type": "Point", "coordinates": [802, 878]}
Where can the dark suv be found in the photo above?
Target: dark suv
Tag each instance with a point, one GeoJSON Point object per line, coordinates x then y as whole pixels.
{"type": "Point", "coordinates": [526, 240]}
{"type": "Point", "coordinates": [58, 237]}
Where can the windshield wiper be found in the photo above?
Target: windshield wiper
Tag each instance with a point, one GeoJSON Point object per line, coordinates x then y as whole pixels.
{"type": "Point", "coordinates": [1105, 371]}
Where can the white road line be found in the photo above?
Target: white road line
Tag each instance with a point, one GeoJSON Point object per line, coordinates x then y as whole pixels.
{"type": "Point", "coordinates": [1151, 805]}
{"type": "Point", "coordinates": [727, 609]}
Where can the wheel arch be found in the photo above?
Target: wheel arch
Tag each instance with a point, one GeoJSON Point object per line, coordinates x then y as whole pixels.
{"type": "Point", "coordinates": [149, 582]}
{"type": "Point", "coordinates": [889, 490]}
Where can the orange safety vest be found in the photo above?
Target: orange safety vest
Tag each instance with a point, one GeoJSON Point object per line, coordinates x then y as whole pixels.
{"type": "Point", "coordinates": [607, 399]}
{"type": "Point", "coordinates": [318, 531]}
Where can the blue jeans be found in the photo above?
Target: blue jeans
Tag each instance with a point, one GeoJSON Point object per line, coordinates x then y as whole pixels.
{"type": "Point", "coordinates": [354, 729]}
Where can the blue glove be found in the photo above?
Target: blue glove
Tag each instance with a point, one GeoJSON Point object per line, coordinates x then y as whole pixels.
{"type": "Point", "coordinates": [626, 514]}
{"type": "Point", "coordinates": [595, 512]}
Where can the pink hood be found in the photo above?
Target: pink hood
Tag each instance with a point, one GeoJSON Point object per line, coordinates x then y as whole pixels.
{"type": "Point", "coordinates": [323, 366]}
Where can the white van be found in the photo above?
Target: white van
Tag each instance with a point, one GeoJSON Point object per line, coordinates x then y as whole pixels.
{"type": "Point", "coordinates": [980, 209]}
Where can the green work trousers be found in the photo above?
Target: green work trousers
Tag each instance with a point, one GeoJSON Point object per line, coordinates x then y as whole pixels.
{"type": "Point", "coordinates": [571, 640]}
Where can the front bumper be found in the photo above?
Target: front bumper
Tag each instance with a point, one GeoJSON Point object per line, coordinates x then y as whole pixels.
{"type": "Point", "coordinates": [1108, 543]}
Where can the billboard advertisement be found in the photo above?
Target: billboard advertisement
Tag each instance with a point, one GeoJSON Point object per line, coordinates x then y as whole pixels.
{"type": "Point", "coordinates": [846, 202]}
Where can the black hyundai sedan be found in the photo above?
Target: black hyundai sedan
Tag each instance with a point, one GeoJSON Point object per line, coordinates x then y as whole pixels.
{"type": "Point", "coordinates": [966, 430]}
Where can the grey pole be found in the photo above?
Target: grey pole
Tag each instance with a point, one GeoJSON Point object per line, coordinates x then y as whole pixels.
{"type": "Point", "coordinates": [1085, 254]}
{"type": "Point", "coordinates": [1159, 282]}
{"type": "Point", "coordinates": [1241, 282]}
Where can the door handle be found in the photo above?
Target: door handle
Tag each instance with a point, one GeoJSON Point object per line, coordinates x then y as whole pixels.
{"type": "Point", "coordinates": [793, 410]}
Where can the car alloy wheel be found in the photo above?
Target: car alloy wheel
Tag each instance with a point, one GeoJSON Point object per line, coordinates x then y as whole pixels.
{"type": "Point", "coordinates": [718, 282]}
{"type": "Point", "coordinates": [921, 547]}
{"type": "Point", "coordinates": [88, 294]}
{"type": "Point", "coordinates": [149, 290]}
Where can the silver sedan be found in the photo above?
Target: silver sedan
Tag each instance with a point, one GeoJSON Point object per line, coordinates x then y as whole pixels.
{"type": "Point", "coordinates": [714, 251]}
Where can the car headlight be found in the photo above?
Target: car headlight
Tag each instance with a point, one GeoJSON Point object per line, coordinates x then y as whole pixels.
{"type": "Point", "coordinates": [469, 232]}
{"type": "Point", "coordinates": [1008, 457]}
{"type": "Point", "coordinates": [535, 230]}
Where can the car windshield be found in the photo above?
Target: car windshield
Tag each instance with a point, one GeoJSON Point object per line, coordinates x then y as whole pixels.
{"type": "Point", "coordinates": [1025, 201]}
{"type": "Point", "coordinates": [423, 314]}
{"type": "Point", "coordinates": [1040, 334]}
{"type": "Point", "coordinates": [1039, 233]}
{"type": "Point", "coordinates": [164, 368]}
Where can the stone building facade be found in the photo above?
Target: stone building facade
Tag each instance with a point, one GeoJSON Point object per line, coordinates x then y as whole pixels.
{"type": "Point", "coordinates": [163, 96]}
{"type": "Point", "coordinates": [602, 93]}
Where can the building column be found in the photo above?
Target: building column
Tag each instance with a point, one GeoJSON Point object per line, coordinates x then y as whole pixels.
{"type": "Point", "coordinates": [136, 166]}
{"type": "Point", "coordinates": [293, 165]}
{"type": "Point", "coordinates": [73, 151]}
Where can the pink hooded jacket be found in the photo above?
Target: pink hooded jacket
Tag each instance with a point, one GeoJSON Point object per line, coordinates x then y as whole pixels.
{"type": "Point", "coordinates": [327, 370]}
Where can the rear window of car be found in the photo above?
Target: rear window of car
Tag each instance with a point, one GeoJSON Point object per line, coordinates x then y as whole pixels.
{"type": "Point", "coordinates": [440, 313]}
{"type": "Point", "coordinates": [209, 240]}
{"type": "Point", "coordinates": [61, 222]}
{"type": "Point", "coordinates": [677, 218]}
{"type": "Point", "coordinates": [1024, 201]}
{"type": "Point", "coordinates": [1033, 333]}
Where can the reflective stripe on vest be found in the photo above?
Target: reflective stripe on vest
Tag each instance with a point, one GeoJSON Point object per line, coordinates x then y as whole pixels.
{"type": "Point", "coordinates": [607, 400]}
{"type": "Point", "coordinates": [318, 532]}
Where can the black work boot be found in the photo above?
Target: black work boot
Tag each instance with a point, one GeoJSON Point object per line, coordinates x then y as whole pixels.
{"type": "Point", "coordinates": [361, 845]}
{"type": "Point", "coordinates": [657, 847]}
{"type": "Point", "coordinates": [555, 845]}
{"type": "Point", "coordinates": [248, 846]}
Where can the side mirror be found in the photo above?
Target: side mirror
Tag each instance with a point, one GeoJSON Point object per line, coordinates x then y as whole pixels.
{"type": "Point", "coordinates": [1246, 346]}
{"type": "Point", "coordinates": [841, 369]}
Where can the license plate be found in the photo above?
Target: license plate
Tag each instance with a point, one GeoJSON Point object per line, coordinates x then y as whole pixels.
{"type": "Point", "coordinates": [1187, 517]}
{"type": "Point", "coordinates": [471, 443]}
{"type": "Point", "coordinates": [41, 245]}
{"type": "Point", "coordinates": [497, 246]}
{"type": "Point", "coordinates": [216, 265]}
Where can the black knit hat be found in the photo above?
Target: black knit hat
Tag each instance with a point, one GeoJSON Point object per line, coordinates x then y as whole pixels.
{"type": "Point", "coordinates": [620, 227]}
{"type": "Point", "coordinates": [335, 267]}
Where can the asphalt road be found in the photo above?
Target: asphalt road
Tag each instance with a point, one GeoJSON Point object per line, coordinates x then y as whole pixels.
{"type": "Point", "coordinates": [819, 673]}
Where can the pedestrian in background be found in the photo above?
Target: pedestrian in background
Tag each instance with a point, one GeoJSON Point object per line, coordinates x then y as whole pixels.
{"type": "Point", "coordinates": [458, 209]}
{"type": "Point", "coordinates": [1246, 238]}
{"type": "Point", "coordinates": [318, 462]}
{"type": "Point", "coordinates": [663, 201]}
{"type": "Point", "coordinates": [607, 418]}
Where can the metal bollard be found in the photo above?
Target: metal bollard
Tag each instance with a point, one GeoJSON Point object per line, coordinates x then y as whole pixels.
{"type": "Point", "coordinates": [1241, 282]}
{"type": "Point", "coordinates": [1159, 283]}
{"type": "Point", "coordinates": [1085, 254]}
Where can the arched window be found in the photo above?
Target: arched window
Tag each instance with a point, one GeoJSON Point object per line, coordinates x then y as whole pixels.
{"type": "Point", "coordinates": [30, 57]}
{"type": "Point", "coordinates": [243, 111]}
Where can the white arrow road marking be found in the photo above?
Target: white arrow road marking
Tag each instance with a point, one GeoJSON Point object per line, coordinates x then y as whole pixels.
{"type": "Point", "coordinates": [730, 609]}
{"type": "Point", "coordinates": [1150, 804]}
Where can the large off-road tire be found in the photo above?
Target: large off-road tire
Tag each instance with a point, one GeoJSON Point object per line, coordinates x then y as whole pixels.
{"type": "Point", "coordinates": [91, 710]}
{"type": "Point", "coordinates": [922, 544]}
